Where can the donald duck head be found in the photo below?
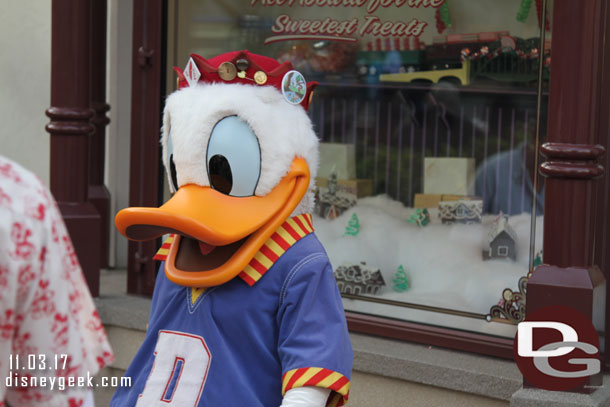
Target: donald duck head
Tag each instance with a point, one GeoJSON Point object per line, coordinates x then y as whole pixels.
{"type": "Point", "coordinates": [240, 156]}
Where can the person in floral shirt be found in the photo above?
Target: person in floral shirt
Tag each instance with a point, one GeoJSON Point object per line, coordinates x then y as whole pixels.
{"type": "Point", "coordinates": [49, 326]}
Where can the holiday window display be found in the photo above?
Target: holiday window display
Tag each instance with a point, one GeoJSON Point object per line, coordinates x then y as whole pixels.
{"type": "Point", "coordinates": [360, 117]}
{"type": "Point", "coordinates": [443, 254]}
{"type": "Point", "coordinates": [444, 259]}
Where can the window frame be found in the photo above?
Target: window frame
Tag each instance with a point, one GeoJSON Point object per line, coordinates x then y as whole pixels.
{"type": "Point", "coordinates": [577, 54]}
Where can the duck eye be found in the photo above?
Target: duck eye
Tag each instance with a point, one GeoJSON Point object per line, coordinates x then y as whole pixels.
{"type": "Point", "coordinates": [172, 172]}
{"type": "Point", "coordinates": [221, 177]}
{"type": "Point", "coordinates": [173, 175]}
{"type": "Point", "coordinates": [234, 158]}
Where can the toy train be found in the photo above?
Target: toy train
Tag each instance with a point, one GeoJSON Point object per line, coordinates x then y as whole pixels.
{"type": "Point", "coordinates": [459, 58]}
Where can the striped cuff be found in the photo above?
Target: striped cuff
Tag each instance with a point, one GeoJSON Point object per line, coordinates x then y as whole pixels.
{"type": "Point", "coordinates": [319, 377]}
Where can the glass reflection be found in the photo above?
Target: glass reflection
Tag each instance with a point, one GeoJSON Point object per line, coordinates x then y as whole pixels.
{"type": "Point", "coordinates": [425, 186]}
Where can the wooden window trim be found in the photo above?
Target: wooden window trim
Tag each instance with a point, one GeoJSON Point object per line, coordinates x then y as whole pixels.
{"type": "Point", "coordinates": [578, 54]}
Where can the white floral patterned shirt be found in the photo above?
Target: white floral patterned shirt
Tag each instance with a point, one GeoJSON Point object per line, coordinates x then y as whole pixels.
{"type": "Point", "coordinates": [48, 321]}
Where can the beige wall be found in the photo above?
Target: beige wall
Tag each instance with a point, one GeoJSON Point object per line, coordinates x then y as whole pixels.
{"type": "Point", "coordinates": [25, 41]}
{"type": "Point", "coordinates": [120, 17]}
{"type": "Point", "coordinates": [25, 74]}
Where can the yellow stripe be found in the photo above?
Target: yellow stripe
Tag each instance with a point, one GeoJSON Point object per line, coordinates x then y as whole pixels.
{"type": "Point", "coordinates": [304, 222]}
{"type": "Point", "coordinates": [255, 275]}
{"type": "Point", "coordinates": [275, 248]}
{"type": "Point", "coordinates": [333, 377]}
{"type": "Point", "coordinates": [286, 236]}
{"type": "Point", "coordinates": [303, 219]}
{"type": "Point", "coordinates": [196, 293]}
{"type": "Point", "coordinates": [343, 390]}
{"type": "Point", "coordinates": [264, 260]}
{"type": "Point", "coordinates": [165, 251]}
{"type": "Point", "coordinates": [311, 372]}
{"type": "Point", "coordinates": [287, 378]}
{"type": "Point", "coordinates": [296, 227]}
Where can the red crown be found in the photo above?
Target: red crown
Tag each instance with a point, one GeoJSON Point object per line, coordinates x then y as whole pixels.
{"type": "Point", "coordinates": [243, 67]}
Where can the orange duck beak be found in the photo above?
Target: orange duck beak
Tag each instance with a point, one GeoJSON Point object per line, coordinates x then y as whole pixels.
{"type": "Point", "coordinates": [217, 234]}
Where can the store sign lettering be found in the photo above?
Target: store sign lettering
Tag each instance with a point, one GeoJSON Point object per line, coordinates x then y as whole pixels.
{"type": "Point", "coordinates": [286, 28]}
{"type": "Point", "coordinates": [285, 25]}
{"type": "Point", "coordinates": [374, 26]}
{"type": "Point", "coordinates": [371, 5]}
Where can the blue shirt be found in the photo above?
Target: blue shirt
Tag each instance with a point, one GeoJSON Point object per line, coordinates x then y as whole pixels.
{"type": "Point", "coordinates": [241, 345]}
{"type": "Point", "coordinates": [505, 185]}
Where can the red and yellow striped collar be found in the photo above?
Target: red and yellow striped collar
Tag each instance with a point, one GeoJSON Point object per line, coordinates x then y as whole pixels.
{"type": "Point", "coordinates": [290, 232]}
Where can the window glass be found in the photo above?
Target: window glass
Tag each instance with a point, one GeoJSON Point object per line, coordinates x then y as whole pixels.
{"type": "Point", "coordinates": [429, 114]}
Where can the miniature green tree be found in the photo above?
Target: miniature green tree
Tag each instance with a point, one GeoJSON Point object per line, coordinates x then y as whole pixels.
{"type": "Point", "coordinates": [400, 283]}
{"type": "Point", "coordinates": [538, 259]}
{"type": "Point", "coordinates": [421, 217]}
{"type": "Point", "coordinates": [353, 226]}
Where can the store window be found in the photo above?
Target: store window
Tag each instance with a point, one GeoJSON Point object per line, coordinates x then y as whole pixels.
{"type": "Point", "coordinates": [429, 113]}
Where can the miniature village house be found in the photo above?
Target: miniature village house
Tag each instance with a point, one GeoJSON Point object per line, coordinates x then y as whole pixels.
{"type": "Point", "coordinates": [501, 241]}
{"type": "Point", "coordinates": [462, 211]}
{"type": "Point", "coordinates": [332, 202]}
{"type": "Point", "coordinates": [358, 279]}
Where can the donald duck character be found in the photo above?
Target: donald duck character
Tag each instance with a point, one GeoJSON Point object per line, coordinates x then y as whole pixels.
{"type": "Point", "coordinates": [245, 310]}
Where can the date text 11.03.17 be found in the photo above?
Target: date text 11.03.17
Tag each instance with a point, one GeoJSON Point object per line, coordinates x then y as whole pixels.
{"type": "Point", "coordinates": [38, 362]}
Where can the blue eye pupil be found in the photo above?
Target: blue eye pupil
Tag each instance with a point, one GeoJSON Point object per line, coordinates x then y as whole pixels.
{"type": "Point", "coordinates": [221, 177]}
